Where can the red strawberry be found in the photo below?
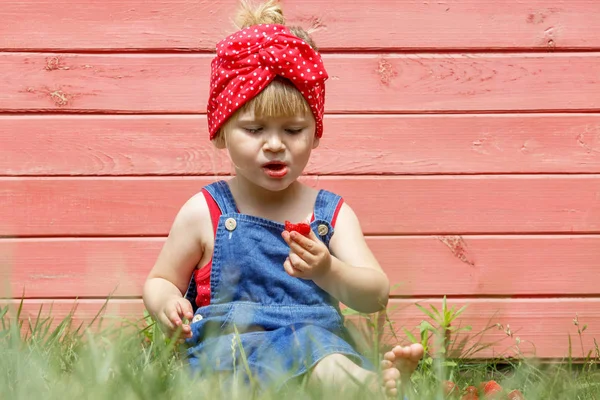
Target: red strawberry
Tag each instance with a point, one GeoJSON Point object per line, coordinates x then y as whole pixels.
{"type": "Point", "coordinates": [472, 390]}
{"type": "Point", "coordinates": [515, 395]}
{"type": "Point", "coordinates": [471, 394]}
{"type": "Point", "coordinates": [450, 388]}
{"type": "Point", "coordinates": [492, 389]}
{"type": "Point", "coordinates": [302, 228]}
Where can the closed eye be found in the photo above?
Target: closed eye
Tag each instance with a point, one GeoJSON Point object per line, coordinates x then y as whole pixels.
{"type": "Point", "coordinates": [253, 130]}
{"type": "Point", "coordinates": [294, 131]}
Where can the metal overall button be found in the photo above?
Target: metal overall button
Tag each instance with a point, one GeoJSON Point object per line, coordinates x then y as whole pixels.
{"type": "Point", "coordinates": [323, 230]}
{"type": "Point", "coordinates": [230, 224]}
{"type": "Point", "coordinates": [197, 318]}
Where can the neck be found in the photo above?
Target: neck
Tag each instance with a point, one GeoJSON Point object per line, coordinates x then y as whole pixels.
{"type": "Point", "coordinates": [255, 196]}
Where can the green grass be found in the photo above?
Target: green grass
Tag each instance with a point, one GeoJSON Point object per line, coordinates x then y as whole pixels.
{"type": "Point", "coordinates": [72, 362]}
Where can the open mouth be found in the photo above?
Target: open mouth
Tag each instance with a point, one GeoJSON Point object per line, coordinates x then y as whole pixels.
{"type": "Point", "coordinates": [275, 169]}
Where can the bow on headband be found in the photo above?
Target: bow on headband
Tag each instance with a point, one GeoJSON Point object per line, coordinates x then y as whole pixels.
{"type": "Point", "coordinates": [250, 59]}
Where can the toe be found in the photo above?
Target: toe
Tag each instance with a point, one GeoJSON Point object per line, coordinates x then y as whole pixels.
{"type": "Point", "coordinates": [398, 351]}
{"type": "Point", "coordinates": [386, 364]}
{"type": "Point", "coordinates": [389, 356]}
{"type": "Point", "coordinates": [390, 384]}
{"type": "Point", "coordinates": [391, 374]}
{"type": "Point", "coordinates": [416, 352]}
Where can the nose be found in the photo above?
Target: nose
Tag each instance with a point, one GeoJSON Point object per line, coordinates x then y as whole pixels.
{"type": "Point", "coordinates": [273, 142]}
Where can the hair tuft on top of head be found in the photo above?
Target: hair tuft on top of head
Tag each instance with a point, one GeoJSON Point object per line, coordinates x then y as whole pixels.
{"type": "Point", "coordinates": [268, 12]}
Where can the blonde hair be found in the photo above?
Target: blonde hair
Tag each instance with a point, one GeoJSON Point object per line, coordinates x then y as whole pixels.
{"type": "Point", "coordinates": [280, 98]}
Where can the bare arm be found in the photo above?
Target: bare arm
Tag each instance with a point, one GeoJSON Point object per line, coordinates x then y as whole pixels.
{"type": "Point", "coordinates": [349, 272]}
{"type": "Point", "coordinates": [355, 277]}
{"type": "Point", "coordinates": [168, 280]}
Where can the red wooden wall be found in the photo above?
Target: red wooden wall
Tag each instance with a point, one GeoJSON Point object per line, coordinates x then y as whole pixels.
{"type": "Point", "coordinates": [465, 133]}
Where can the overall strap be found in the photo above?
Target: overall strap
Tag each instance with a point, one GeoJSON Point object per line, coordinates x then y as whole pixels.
{"type": "Point", "coordinates": [327, 206]}
{"type": "Point", "coordinates": [221, 194]}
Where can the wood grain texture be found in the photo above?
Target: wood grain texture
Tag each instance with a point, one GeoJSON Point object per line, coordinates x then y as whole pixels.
{"type": "Point", "coordinates": [412, 83]}
{"type": "Point", "coordinates": [352, 145]}
{"type": "Point", "coordinates": [520, 265]}
{"type": "Point", "coordinates": [198, 25]}
{"type": "Point", "coordinates": [385, 205]}
{"type": "Point", "coordinates": [527, 327]}
{"type": "Point", "coordinates": [541, 326]}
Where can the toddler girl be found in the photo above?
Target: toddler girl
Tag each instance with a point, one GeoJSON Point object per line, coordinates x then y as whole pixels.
{"type": "Point", "coordinates": [261, 295]}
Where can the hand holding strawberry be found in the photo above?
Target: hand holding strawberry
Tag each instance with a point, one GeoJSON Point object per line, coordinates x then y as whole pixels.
{"type": "Point", "coordinates": [303, 228]}
{"type": "Point", "coordinates": [309, 258]}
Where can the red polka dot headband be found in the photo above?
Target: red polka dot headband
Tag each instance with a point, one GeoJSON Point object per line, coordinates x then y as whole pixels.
{"type": "Point", "coordinates": [250, 59]}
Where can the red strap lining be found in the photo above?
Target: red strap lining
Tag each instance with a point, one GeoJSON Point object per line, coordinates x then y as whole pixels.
{"type": "Point", "coordinates": [215, 213]}
{"type": "Point", "coordinates": [213, 207]}
{"type": "Point", "coordinates": [337, 211]}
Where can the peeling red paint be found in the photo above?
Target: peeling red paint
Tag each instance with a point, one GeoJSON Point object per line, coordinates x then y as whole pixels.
{"type": "Point", "coordinates": [458, 247]}
{"type": "Point", "coordinates": [59, 98]}
{"type": "Point", "coordinates": [386, 71]}
{"type": "Point", "coordinates": [55, 63]}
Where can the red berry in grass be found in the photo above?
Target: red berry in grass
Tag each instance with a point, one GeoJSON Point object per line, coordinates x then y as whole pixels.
{"type": "Point", "coordinates": [515, 395]}
{"type": "Point", "coordinates": [471, 390]}
{"type": "Point", "coordinates": [302, 228]}
{"type": "Point", "coordinates": [450, 388]}
{"type": "Point", "coordinates": [492, 389]}
{"type": "Point", "coordinates": [472, 393]}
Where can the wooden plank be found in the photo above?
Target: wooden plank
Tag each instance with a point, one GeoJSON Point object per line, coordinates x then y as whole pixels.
{"type": "Point", "coordinates": [353, 144]}
{"type": "Point", "coordinates": [476, 265]}
{"type": "Point", "coordinates": [189, 24]}
{"type": "Point", "coordinates": [385, 205]}
{"type": "Point", "coordinates": [167, 83]}
{"type": "Point", "coordinates": [528, 327]}
{"type": "Point", "coordinates": [541, 326]}
{"type": "Point", "coordinates": [95, 313]}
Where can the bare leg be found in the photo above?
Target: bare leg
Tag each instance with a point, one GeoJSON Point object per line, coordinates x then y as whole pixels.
{"type": "Point", "coordinates": [340, 373]}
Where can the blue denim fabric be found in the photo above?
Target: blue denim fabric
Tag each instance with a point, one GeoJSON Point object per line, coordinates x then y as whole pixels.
{"type": "Point", "coordinates": [285, 324]}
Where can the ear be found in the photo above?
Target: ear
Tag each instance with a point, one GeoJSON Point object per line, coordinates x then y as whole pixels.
{"type": "Point", "coordinates": [316, 141]}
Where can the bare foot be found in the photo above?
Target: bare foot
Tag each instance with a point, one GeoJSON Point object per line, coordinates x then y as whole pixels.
{"type": "Point", "coordinates": [403, 360]}
{"type": "Point", "coordinates": [389, 378]}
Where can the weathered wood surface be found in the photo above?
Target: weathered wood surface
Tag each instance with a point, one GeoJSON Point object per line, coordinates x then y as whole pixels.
{"type": "Point", "coordinates": [353, 144]}
{"type": "Point", "coordinates": [385, 205]}
{"type": "Point", "coordinates": [186, 25]}
{"type": "Point", "coordinates": [389, 83]}
{"type": "Point", "coordinates": [465, 134]}
{"type": "Point", "coordinates": [520, 265]}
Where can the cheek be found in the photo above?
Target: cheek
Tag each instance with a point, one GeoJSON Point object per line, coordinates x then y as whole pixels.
{"type": "Point", "coordinates": [302, 151]}
{"type": "Point", "coordinates": [242, 153]}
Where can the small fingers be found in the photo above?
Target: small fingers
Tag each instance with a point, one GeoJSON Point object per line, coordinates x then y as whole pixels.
{"type": "Point", "coordinates": [301, 252]}
{"type": "Point", "coordinates": [166, 325]}
{"type": "Point", "coordinates": [174, 317]}
{"type": "Point", "coordinates": [298, 263]}
{"type": "Point", "coordinates": [187, 310]}
{"type": "Point", "coordinates": [287, 266]}
{"type": "Point", "coordinates": [306, 243]}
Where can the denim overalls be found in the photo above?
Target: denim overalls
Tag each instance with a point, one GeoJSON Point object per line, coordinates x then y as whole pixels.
{"type": "Point", "coordinates": [285, 324]}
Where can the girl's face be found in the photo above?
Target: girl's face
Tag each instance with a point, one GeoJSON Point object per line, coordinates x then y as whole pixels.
{"type": "Point", "coordinates": [270, 152]}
